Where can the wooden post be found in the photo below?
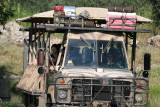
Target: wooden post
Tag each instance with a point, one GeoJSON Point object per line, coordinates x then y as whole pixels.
{"type": "Point", "coordinates": [47, 48]}
{"type": "Point", "coordinates": [25, 55]}
{"type": "Point", "coordinates": [30, 46]}
{"type": "Point", "coordinates": [34, 46]}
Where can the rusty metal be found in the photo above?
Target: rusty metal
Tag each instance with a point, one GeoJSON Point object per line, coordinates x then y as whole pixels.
{"type": "Point", "coordinates": [128, 9]}
{"type": "Point", "coordinates": [40, 57]}
{"type": "Point", "coordinates": [89, 23]}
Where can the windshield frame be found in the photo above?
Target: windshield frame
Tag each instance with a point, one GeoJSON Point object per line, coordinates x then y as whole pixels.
{"type": "Point", "coordinates": [125, 54]}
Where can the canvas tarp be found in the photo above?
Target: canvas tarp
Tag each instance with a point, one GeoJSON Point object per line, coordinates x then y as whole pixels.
{"type": "Point", "coordinates": [95, 13]}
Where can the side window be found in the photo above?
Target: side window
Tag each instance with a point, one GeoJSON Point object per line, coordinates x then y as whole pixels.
{"type": "Point", "coordinates": [55, 49]}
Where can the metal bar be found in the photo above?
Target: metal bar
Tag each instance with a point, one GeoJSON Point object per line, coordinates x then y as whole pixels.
{"type": "Point", "coordinates": [69, 22]}
{"type": "Point", "coordinates": [23, 29]}
{"type": "Point", "coordinates": [126, 42]}
{"type": "Point", "coordinates": [39, 43]}
{"type": "Point", "coordinates": [43, 40]}
{"type": "Point", "coordinates": [122, 23]}
{"type": "Point", "coordinates": [123, 18]}
{"type": "Point", "coordinates": [95, 29]}
{"type": "Point", "coordinates": [82, 77]}
{"type": "Point", "coordinates": [134, 83]}
{"type": "Point", "coordinates": [91, 89]}
{"type": "Point", "coordinates": [133, 53]}
{"type": "Point", "coordinates": [60, 22]}
{"type": "Point", "coordinates": [30, 43]}
{"type": "Point", "coordinates": [34, 46]}
{"type": "Point", "coordinates": [35, 39]}
{"type": "Point", "coordinates": [82, 23]}
{"type": "Point", "coordinates": [47, 49]}
{"type": "Point", "coordinates": [65, 29]}
{"type": "Point", "coordinates": [95, 96]}
{"type": "Point", "coordinates": [110, 41]}
{"type": "Point", "coordinates": [49, 45]}
{"type": "Point", "coordinates": [122, 92]}
{"type": "Point", "coordinates": [82, 93]}
{"type": "Point", "coordinates": [25, 55]}
{"type": "Point", "coordinates": [132, 25]}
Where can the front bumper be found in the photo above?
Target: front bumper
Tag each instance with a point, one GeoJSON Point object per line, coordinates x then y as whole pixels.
{"type": "Point", "coordinates": [86, 91]}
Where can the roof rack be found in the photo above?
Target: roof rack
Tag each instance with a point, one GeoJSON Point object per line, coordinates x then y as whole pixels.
{"type": "Point", "coordinates": [64, 23]}
{"type": "Point", "coordinates": [60, 29]}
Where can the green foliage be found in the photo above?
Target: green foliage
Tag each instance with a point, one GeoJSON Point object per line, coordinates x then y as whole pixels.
{"type": "Point", "coordinates": [5, 11]}
{"type": "Point", "coordinates": [34, 6]}
{"type": "Point", "coordinates": [8, 104]}
{"type": "Point", "coordinates": [156, 15]}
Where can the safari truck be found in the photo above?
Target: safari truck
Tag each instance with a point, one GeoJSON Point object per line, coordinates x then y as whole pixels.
{"type": "Point", "coordinates": [92, 67]}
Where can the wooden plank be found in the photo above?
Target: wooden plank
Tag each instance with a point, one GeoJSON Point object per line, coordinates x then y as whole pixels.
{"type": "Point", "coordinates": [30, 80]}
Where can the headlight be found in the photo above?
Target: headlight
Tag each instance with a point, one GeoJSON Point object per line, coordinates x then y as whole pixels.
{"type": "Point", "coordinates": [62, 94]}
{"type": "Point", "coordinates": [139, 97]}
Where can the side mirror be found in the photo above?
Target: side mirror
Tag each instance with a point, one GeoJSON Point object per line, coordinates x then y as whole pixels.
{"type": "Point", "coordinates": [147, 64]}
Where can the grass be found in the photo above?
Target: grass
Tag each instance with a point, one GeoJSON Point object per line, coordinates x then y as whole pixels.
{"type": "Point", "coordinates": [154, 87]}
{"type": "Point", "coordinates": [8, 104]}
{"type": "Point", "coordinates": [11, 57]}
{"type": "Point", "coordinates": [14, 93]}
{"type": "Point", "coordinates": [154, 74]}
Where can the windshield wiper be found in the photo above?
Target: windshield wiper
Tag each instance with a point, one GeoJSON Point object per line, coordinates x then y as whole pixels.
{"type": "Point", "coordinates": [89, 45]}
{"type": "Point", "coordinates": [105, 48]}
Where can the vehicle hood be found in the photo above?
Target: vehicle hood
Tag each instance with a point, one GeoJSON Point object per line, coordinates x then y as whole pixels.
{"type": "Point", "coordinates": [118, 73]}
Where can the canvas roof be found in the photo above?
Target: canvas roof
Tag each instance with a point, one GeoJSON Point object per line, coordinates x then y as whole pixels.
{"type": "Point", "coordinates": [95, 13]}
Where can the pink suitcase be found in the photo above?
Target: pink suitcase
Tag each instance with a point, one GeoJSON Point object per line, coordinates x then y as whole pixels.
{"type": "Point", "coordinates": [116, 20]}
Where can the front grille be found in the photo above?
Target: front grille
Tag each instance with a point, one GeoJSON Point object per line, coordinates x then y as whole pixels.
{"type": "Point", "coordinates": [84, 90]}
{"type": "Point", "coordinates": [80, 91]}
{"type": "Point", "coordinates": [121, 91]}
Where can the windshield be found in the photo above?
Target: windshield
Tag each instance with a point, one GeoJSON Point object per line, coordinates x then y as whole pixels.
{"type": "Point", "coordinates": [79, 54]}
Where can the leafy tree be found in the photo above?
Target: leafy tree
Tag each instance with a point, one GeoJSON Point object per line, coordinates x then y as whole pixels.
{"type": "Point", "coordinates": [156, 15]}
{"type": "Point", "coordinates": [5, 11]}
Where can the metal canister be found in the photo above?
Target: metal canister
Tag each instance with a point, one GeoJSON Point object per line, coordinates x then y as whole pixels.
{"type": "Point", "coordinates": [40, 57]}
{"type": "Point", "coordinates": [78, 23]}
{"type": "Point", "coordinates": [89, 23]}
{"type": "Point", "coordinates": [128, 9]}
